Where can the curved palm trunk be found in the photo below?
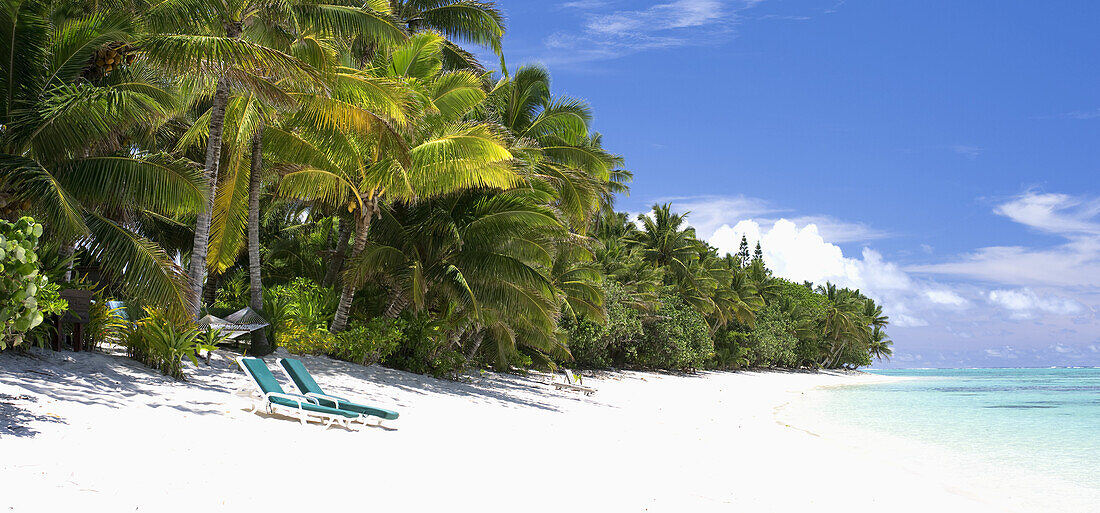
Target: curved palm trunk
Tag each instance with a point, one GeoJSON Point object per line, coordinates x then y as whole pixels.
{"type": "Point", "coordinates": [197, 266]}
{"type": "Point", "coordinates": [336, 264]}
{"type": "Point", "coordinates": [347, 293]}
{"type": "Point", "coordinates": [256, 287]}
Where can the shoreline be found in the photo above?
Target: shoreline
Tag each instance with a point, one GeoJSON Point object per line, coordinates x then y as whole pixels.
{"type": "Point", "coordinates": [104, 433]}
{"type": "Point", "coordinates": [992, 482]}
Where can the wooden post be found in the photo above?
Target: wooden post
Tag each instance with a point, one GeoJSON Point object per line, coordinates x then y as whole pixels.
{"type": "Point", "coordinates": [78, 339]}
{"type": "Point", "coordinates": [56, 333]}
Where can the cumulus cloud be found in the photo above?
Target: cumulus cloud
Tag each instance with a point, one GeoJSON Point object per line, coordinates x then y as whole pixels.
{"type": "Point", "coordinates": [800, 253]}
{"type": "Point", "coordinates": [1024, 303]}
{"type": "Point", "coordinates": [709, 213]}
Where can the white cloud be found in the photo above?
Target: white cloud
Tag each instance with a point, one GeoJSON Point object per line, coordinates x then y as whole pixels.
{"type": "Point", "coordinates": [673, 15]}
{"type": "Point", "coordinates": [801, 253]}
{"type": "Point", "coordinates": [1025, 303]}
{"type": "Point", "coordinates": [968, 151]}
{"type": "Point", "coordinates": [708, 213]}
{"type": "Point", "coordinates": [1053, 213]}
{"type": "Point", "coordinates": [612, 34]}
{"type": "Point", "coordinates": [945, 297]}
{"type": "Point", "coordinates": [584, 4]}
{"type": "Point", "coordinates": [1074, 263]}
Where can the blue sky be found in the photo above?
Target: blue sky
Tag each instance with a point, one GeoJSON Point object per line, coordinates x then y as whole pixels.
{"type": "Point", "coordinates": [940, 155]}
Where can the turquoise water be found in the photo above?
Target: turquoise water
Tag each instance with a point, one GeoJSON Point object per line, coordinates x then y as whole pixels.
{"type": "Point", "coordinates": [1044, 420]}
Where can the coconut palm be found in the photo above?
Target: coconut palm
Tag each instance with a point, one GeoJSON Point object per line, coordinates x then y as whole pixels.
{"type": "Point", "coordinates": [665, 241]}
{"type": "Point", "coordinates": [440, 153]}
{"type": "Point", "coordinates": [72, 105]}
{"type": "Point", "coordinates": [485, 258]}
{"type": "Point", "coordinates": [215, 40]}
{"type": "Point", "coordinates": [469, 21]}
{"type": "Point", "coordinates": [553, 144]}
{"type": "Point", "coordinates": [880, 346]}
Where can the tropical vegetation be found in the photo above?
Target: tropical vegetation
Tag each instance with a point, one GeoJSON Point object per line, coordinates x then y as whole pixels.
{"type": "Point", "coordinates": [352, 172]}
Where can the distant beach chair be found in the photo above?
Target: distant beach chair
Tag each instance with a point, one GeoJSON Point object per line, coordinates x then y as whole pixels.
{"type": "Point", "coordinates": [308, 387]}
{"type": "Point", "coordinates": [573, 383]}
{"type": "Point", "coordinates": [269, 394]}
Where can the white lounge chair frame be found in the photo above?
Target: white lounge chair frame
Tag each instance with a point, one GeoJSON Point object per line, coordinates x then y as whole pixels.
{"type": "Point", "coordinates": [337, 400]}
{"type": "Point", "coordinates": [572, 384]}
{"type": "Point", "coordinates": [257, 399]}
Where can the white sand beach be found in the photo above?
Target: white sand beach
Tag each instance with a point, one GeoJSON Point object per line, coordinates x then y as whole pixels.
{"type": "Point", "coordinates": [102, 433]}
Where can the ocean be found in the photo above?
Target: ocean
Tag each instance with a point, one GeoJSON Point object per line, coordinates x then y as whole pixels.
{"type": "Point", "coordinates": [1043, 420]}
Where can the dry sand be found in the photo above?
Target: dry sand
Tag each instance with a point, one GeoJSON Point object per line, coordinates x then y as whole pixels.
{"type": "Point", "coordinates": [97, 432]}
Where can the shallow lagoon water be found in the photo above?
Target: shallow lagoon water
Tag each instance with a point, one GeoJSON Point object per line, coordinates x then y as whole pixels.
{"type": "Point", "coordinates": [1042, 420]}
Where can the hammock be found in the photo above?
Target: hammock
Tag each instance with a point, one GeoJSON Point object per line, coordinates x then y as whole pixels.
{"type": "Point", "coordinates": [238, 323]}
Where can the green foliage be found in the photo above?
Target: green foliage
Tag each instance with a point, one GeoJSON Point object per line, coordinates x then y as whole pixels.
{"type": "Point", "coordinates": [299, 307]}
{"type": "Point", "coordinates": [478, 209]}
{"type": "Point", "coordinates": [369, 342]}
{"type": "Point", "coordinates": [162, 343]}
{"type": "Point", "coordinates": [676, 339]}
{"type": "Point", "coordinates": [363, 344]}
{"type": "Point", "coordinates": [596, 345]}
{"type": "Point", "coordinates": [425, 348]}
{"type": "Point", "coordinates": [771, 343]}
{"type": "Point", "coordinates": [730, 349]}
{"type": "Point", "coordinates": [22, 286]}
{"type": "Point", "coordinates": [104, 325]}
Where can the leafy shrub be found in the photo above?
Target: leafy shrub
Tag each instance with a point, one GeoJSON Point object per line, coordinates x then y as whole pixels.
{"type": "Point", "coordinates": [730, 351]}
{"type": "Point", "coordinates": [298, 308]}
{"type": "Point", "coordinates": [599, 346]}
{"type": "Point", "coordinates": [369, 342]}
{"type": "Point", "coordinates": [587, 343]}
{"type": "Point", "coordinates": [162, 344]}
{"type": "Point", "coordinates": [771, 342]}
{"type": "Point", "coordinates": [678, 338]}
{"type": "Point", "coordinates": [424, 348]}
{"type": "Point", "coordinates": [26, 296]}
{"type": "Point", "coordinates": [301, 339]}
{"type": "Point", "coordinates": [363, 344]}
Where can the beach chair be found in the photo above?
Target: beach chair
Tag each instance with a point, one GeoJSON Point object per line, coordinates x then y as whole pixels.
{"type": "Point", "coordinates": [308, 387]}
{"type": "Point", "coordinates": [573, 383]}
{"type": "Point", "coordinates": [270, 395]}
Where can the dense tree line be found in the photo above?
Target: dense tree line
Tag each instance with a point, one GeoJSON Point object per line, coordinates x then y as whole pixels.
{"type": "Point", "coordinates": [353, 173]}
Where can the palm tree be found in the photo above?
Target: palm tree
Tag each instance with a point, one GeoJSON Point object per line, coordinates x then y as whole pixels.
{"type": "Point", "coordinates": [211, 38]}
{"type": "Point", "coordinates": [664, 241]}
{"type": "Point", "coordinates": [844, 322]}
{"type": "Point", "coordinates": [440, 153]}
{"type": "Point", "coordinates": [471, 21]}
{"type": "Point", "coordinates": [69, 120]}
{"type": "Point", "coordinates": [482, 256]}
{"type": "Point", "coordinates": [880, 346]}
{"type": "Point", "coordinates": [553, 144]}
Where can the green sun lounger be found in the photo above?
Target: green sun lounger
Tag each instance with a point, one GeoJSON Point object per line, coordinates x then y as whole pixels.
{"type": "Point", "coordinates": [270, 395]}
{"type": "Point", "coordinates": [309, 388]}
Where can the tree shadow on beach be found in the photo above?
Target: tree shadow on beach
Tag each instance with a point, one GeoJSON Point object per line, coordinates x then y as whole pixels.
{"type": "Point", "coordinates": [16, 420]}
{"type": "Point", "coordinates": [110, 380]}
{"type": "Point", "coordinates": [489, 388]}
